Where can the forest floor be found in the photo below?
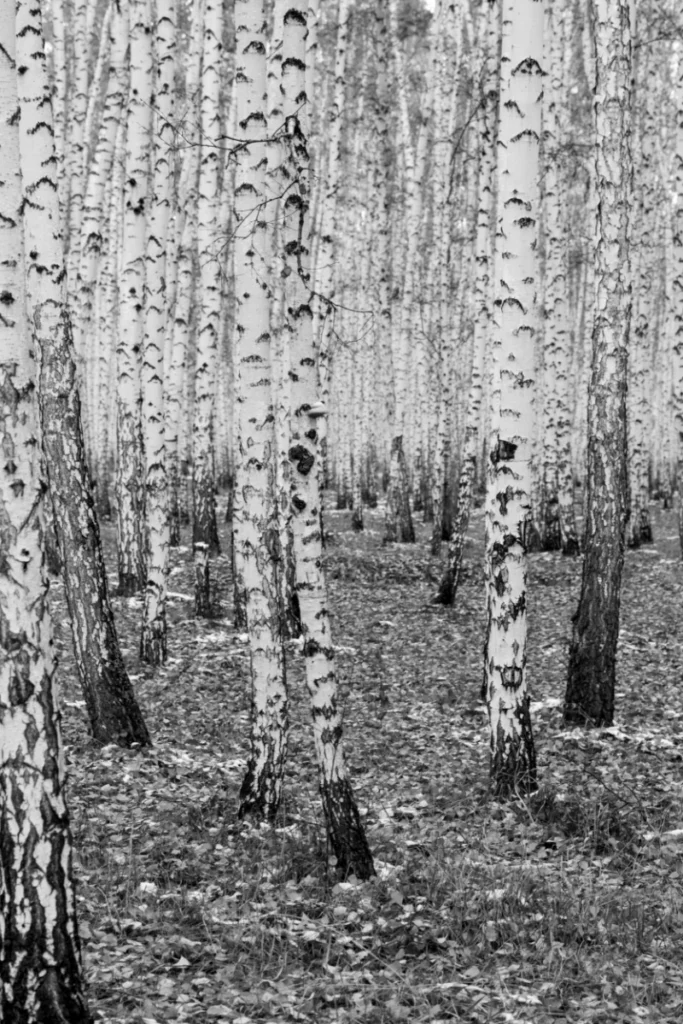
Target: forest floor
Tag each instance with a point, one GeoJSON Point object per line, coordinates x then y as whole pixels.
{"type": "Point", "coordinates": [567, 908]}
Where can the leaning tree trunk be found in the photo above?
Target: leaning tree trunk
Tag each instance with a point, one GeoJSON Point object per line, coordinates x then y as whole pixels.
{"type": "Point", "coordinates": [40, 964]}
{"type": "Point", "coordinates": [255, 514]}
{"type": "Point", "coordinates": [508, 512]}
{"type": "Point", "coordinates": [589, 698]}
{"type": "Point", "coordinates": [347, 836]}
{"type": "Point", "coordinates": [112, 708]}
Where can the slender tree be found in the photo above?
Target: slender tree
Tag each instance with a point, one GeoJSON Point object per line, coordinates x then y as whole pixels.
{"type": "Point", "coordinates": [486, 124]}
{"type": "Point", "coordinates": [508, 511]}
{"type": "Point", "coordinates": [254, 514]}
{"type": "Point", "coordinates": [40, 968]}
{"type": "Point", "coordinates": [130, 471]}
{"type": "Point", "coordinates": [204, 528]}
{"type": "Point", "coordinates": [345, 829]}
{"type": "Point", "coordinates": [153, 638]}
{"type": "Point", "coordinates": [589, 698]}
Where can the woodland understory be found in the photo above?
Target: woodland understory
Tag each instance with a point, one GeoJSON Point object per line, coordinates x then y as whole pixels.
{"type": "Point", "coordinates": [565, 907]}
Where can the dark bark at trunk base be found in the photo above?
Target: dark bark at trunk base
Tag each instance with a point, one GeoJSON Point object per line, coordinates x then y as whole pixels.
{"type": "Point", "coordinates": [398, 523]}
{"type": "Point", "coordinates": [645, 527]}
{"type": "Point", "coordinates": [345, 829]}
{"type": "Point", "coordinates": [153, 647]}
{"type": "Point", "coordinates": [59, 1000]}
{"type": "Point", "coordinates": [357, 519]}
{"type": "Point", "coordinates": [571, 545]}
{"type": "Point", "coordinates": [513, 767]}
{"type": "Point", "coordinates": [204, 606]}
{"type": "Point", "coordinates": [589, 698]}
{"type": "Point", "coordinates": [129, 584]}
{"type": "Point", "coordinates": [552, 531]}
{"type": "Point", "coordinates": [447, 589]}
{"type": "Point", "coordinates": [534, 541]}
{"type": "Point", "coordinates": [114, 713]}
{"type": "Point", "coordinates": [261, 792]}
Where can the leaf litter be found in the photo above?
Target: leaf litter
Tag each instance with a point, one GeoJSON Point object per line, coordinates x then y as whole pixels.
{"type": "Point", "coordinates": [565, 907]}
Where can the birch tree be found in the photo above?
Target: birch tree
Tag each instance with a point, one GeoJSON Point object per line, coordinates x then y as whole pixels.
{"type": "Point", "coordinates": [508, 507]}
{"type": "Point", "coordinates": [110, 701]}
{"type": "Point", "coordinates": [157, 541]}
{"type": "Point", "coordinates": [254, 513]}
{"type": "Point", "coordinates": [483, 280]}
{"type": "Point", "coordinates": [559, 524]}
{"type": "Point", "coordinates": [589, 698]}
{"type": "Point", "coordinates": [204, 529]}
{"type": "Point", "coordinates": [130, 475]}
{"type": "Point", "coordinates": [345, 829]}
{"type": "Point", "coordinates": [40, 968]}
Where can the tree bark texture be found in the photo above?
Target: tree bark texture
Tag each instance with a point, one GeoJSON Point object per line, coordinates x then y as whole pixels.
{"type": "Point", "coordinates": [508, 512]}
{"type": "Point", "coordinates": [114, 714]}
{"type": "Point", "coordinates": [589, 698]}
{"type": "Point", "coordinates": [40, 969]}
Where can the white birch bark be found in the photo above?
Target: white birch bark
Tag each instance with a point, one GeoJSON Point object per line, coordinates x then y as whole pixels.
{"type": "Point", "coordinates": [105, 331]}
{"type": "Point", "coordinates": [75, 151]}
{"type": "Point", "coordinates": [40, 967]}
{"type": "Point", "coordinates": [559, 525]}
{"type": "Point", "coordinates": [640, 362]}
{"type": "Point", "coordinates": [59, 93]}
{"type": "Point", "coordinates": [254, 514]}
{"type": "Point", "coordinates": [185, 246]}
{"type": "Point", "coordinates": [677, 297]}
{"type": "Point", "coordinates": [589, 698]}
{"type": "Point", "coordinates": [130, 474]}
{"type": "Point", "coordinates": [153, 639]}
{"type": "Point", "coordinates": [508, 513]}
{"type": "Point", "coordinates": [98, 177]}
{"type": "Point", "coordinates": [204, 529]}
{"type": "Point", "coordinates": [345, 829]}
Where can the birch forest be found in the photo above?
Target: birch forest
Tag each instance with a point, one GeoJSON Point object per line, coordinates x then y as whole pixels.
{"type": "Point", "coordinates": [341, 511]}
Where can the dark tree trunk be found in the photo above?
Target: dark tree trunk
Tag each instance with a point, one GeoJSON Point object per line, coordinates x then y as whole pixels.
{"type": "Point", "coordinates": [589, 698]}
{"type": "Point", "coordinates": [398, 523]}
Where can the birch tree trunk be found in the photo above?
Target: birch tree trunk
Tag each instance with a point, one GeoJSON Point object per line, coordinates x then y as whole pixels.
{"type": "Point", "coordinates": [483, 279]}
{"type": "Point", "coordinates": [589, 698]}
{"type": "Point", "coordinates": [559, 524]}
{"type": "Point", "coordinates": [508, 513]}
{"type": "Point", "coordinates": [185, 229]}
{"type": "Point", "coordinates": [94, 219]}
{"type": "Point", "coordinates": [40, 966]}
{"type": "Point", "coordinates": [255, 513]}
{"type": "Point", "coordinates": [347, 836]}
{"type": "Point", "coordinates": [130, 473]}
{"type": "Point", "coordinates": [112, 708]}
{"type": "Point", "coordinates": [677, 298]}
{"type": "Point", "coordinates": [157, 542]}
{"type": "Point", "coordinates": [204, 528]}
